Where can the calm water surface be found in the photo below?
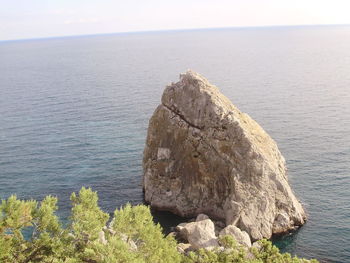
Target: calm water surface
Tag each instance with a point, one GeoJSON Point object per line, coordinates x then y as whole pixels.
{"type": "Point", "coordinates": [74, 112]}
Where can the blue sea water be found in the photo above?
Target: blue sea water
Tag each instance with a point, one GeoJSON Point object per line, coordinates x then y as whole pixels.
{"type": "Point", "coordinates": [74, 112]}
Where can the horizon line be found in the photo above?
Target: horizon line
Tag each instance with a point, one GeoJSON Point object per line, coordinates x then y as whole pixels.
{"type": "Point", "coordinates": [165, 30]}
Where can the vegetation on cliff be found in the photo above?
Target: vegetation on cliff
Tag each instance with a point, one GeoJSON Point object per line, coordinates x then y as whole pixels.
{"type": "Point", "coordinates": [30, 231]}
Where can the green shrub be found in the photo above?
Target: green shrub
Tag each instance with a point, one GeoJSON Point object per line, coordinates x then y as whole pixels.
{"type": "Point", "coordinates": [31, 232]}
{"type": "Point", "coordinates": [234, 253]}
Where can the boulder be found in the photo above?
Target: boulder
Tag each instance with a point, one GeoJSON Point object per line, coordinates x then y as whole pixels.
{"type": "Point", "coordinates": [201, 234]}
{"type": "Point", "coordinates": [241, 237]}
{"type": "Point", "coordinates": [180, 227]}
{"type": "Point", "coordinates": [102, 237]}
{"type": "Point", "coordinates": [181, 234]}
{"type": "Point", "coordinates": [257, 245]}
{"type": "Point", "coordinates": [203, 155]}
{"type": "Point", "coordinates": [201, 217]}
{"type": "Point", "coordinates": [129, 241]}
{"type": "Point", "coordinates": [183, 248]}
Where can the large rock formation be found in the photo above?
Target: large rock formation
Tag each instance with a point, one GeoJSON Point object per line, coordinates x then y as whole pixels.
{"type": "Point", "coordinates": [203, 155]}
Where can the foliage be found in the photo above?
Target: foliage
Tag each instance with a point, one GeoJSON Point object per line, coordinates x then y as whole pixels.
{"type": "Point", "coordinates": [31, 232]}
{"type": "Point", "coordinates": [137, 223]}
{"type": "Point", "coordinates": [234, 253]}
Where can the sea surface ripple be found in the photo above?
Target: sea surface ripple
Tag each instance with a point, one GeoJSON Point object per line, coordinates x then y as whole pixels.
{"type": "Point", "coordinates": [74, 112]}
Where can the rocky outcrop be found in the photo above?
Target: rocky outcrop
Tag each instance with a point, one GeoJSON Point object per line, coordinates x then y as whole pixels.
{"type": "Point", "coordinates": [203, 155]}
{"type": "Point", "coordinates": [202, 234]}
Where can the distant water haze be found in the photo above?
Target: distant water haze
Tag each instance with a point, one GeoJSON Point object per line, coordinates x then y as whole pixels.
{"type": "Point", "coordinates": [74, 112]}
{"type": "Point", "coordinates": [40, 18]}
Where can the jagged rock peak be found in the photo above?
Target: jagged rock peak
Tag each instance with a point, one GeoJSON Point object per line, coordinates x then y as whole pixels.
{"type": "Point", "coordinates": [203, 155]}
{"type": "Point", "coordinates": [193, 98]}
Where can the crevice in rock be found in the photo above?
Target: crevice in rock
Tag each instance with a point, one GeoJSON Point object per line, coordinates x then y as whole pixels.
{"type": "Point", "coordinates": [182, 117]}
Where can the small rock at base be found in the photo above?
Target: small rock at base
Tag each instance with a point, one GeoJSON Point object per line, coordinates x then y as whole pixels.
{"type": "Point", "coordinates": [201, 234]}
{"type": "Point", "coordinates": [240, 236]}
{"type": "Point", "coordinates": [183, 247]}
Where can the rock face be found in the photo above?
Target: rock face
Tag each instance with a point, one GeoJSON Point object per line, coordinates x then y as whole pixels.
{"type": "Point", "coordinates": [203, 155]}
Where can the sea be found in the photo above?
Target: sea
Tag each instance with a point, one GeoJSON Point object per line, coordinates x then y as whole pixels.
{"type": "Point", "coordinates": [74, 112]}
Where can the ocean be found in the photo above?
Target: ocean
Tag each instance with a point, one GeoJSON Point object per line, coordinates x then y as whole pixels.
{"type": "Point", "coordinates": [74, 112]}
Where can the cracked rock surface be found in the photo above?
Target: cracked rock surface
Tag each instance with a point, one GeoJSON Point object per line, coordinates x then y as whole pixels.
{"type": "Point", "coordinates": [203, 155]}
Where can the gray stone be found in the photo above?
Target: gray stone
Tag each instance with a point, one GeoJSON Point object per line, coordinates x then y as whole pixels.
{"type": "Point", "coordinates": [181, 233]}
{"type": "Point", "coordinates": [201, 234]}
{"type": "Point", "coordinates": [102, 237]}
{"type": "Point", "coordinates": [179, 227]}
{"type": "Point", "coordinates": [201, 217]}
{"type": "Point", "coordinates": [241, 237]}
{"type": "Point", "coordinates": [111, 231]}
{"type": "Point", "coordinates": [203, 155]}
{"type": "Point", "coordinates": [257, 245]}
{"type": "Point", "coordinates": [172, 234]}
{"type": "Point", "coordinates": [184, 247]}
{"type": "Point", "coordinates": [129, 241]}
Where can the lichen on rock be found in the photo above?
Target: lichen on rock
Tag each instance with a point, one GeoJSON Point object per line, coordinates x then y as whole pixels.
{"type": "Point", "coordinates": [203, 155]}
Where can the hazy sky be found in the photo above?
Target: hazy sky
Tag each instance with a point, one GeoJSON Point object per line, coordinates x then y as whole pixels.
{"type": "Point", "coordinates": [45, 18]}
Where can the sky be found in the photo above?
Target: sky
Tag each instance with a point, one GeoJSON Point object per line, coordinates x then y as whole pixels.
{"type": "Point", "coordinates": [22, 19]}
